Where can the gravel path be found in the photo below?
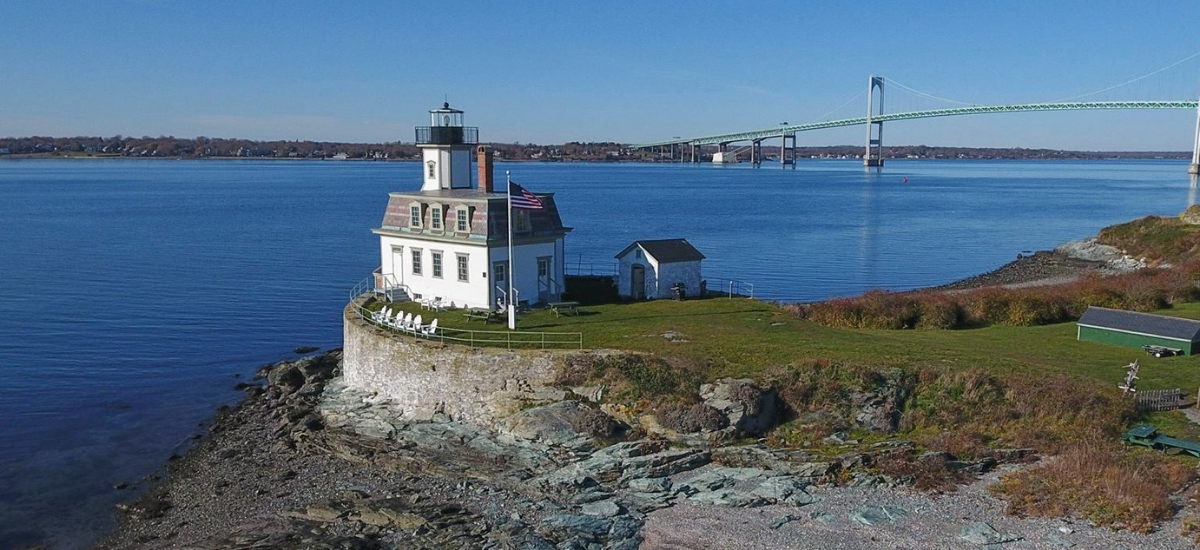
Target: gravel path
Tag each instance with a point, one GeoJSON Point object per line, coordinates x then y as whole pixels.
{"type": "Point", "coordinates": [932, 522]}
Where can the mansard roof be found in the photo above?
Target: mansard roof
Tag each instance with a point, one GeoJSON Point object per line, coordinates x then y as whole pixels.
{"type": "Point", "coordinates": [489, 218]}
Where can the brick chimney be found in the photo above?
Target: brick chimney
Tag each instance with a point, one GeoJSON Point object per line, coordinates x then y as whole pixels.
{"type": "Point", "coordinates": [486, 176]}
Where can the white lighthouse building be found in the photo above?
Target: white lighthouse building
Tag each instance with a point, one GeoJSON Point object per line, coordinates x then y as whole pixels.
{"type": "Point", "coordinates": [449, 241]}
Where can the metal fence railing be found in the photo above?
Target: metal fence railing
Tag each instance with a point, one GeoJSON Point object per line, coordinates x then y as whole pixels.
{"type": "Point", "coordinates": [508, 339]}
{"type": "Point", "coordinates": [729, 287]}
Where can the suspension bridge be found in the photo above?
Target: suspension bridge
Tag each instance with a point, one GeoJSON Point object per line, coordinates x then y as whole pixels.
{"type": "Point", "coordinates": [689, 149]}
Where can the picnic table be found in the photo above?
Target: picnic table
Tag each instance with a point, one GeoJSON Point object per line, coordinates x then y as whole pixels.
{"type": "Point", "coordinates": [485, 315]}
{"type": "Point", "coordinates": [564, 308]}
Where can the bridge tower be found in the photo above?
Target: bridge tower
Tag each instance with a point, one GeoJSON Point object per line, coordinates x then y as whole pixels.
{"type": "Point", "coordinates": [787, 155]}
{"type": "Point", "coordinates": [873, 156]}
{"type": "Point", "coordinates": [756, 153]}
{"type": "Point", "coordinates": [1194, 169]}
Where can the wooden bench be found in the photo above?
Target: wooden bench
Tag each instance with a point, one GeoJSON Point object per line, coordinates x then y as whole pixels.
{"type": "Point", "coordinates": [564, 308]}
{"type": "Point", "coordinates": [485, 315]}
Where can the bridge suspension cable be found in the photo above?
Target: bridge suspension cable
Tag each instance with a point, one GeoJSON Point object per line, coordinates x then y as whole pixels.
{"type": "Point", "coordinates": [1132, 80]}
{"type": "Point", "coordinates": [894, 82]}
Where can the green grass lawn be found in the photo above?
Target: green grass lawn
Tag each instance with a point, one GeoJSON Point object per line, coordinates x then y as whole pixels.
{"type": "Point", "coordinates": [745, 336]}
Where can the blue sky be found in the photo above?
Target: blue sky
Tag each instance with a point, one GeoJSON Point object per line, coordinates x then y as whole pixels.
{"type": "Point", "coordinates": [549, 72]}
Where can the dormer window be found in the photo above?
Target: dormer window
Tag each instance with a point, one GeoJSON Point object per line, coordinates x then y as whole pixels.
{"type": "Point", "coordinates": [463, 220]}
{"type": "Point", "coordinates": [522, 220]}
{"type": "Point", "coordinates": [414, 216]}
{"type": "Point", "coordinates": [435, 218]}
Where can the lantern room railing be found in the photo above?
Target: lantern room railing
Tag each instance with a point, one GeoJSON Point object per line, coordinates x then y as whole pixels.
{"type": "Point", "coordinates": [447, 135]}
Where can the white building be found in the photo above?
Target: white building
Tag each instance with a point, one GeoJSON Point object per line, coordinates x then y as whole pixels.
{"type": "Point", "coordinates": [450, 239]}
{"type": "Point", "coordinates": [648, 269]}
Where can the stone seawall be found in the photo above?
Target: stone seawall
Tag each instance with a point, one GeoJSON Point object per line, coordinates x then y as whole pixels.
{"type": "Point", "coordinates": [422, 377]}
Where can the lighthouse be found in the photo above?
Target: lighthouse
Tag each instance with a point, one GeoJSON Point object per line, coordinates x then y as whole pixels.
{"type": "Point", "coordinates": [449, 242]}
{"type": "Point", "coordinates": [446, 150]}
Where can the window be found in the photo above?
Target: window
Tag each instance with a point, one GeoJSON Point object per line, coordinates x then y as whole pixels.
{"type": "Point", "coordinates": [432, 169]}
{"type": "Point", "coordinates": [464, 220]}
{"type": "Point", "coordinates": [543, 267]}
{"type": "Point", "coordinates": [463, 265]}
{"type": "Point", "coordinates": [435, 217]}
{"type": "Point", "coordinates": [414, 215]}
{"type": "Point", "coordinates": [498, 272]}
{"type": "Point", "coordinates": [437, 264]}
{"type": "Point", "coordinates": [522, 220]}
{"type": "Point", "coordinates": [416, 261]}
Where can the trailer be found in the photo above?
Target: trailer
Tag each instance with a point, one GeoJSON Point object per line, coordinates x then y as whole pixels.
{"type": "Point", "coordinates": [1162, 351]}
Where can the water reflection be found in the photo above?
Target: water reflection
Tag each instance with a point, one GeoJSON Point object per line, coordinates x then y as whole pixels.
{"type": "Point", "coordinates": [868, 244]}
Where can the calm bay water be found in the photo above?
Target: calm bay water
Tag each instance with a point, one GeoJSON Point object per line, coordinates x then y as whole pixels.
{"type": "Point", "coordinates": [133, 292]}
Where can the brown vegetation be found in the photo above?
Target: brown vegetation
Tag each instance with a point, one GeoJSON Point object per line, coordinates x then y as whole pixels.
{"type": "Point", "coordinates": [1145, 290]}
{"type": "Point", "coordinates": [1156, 238]}
{"type": "Point", "coordinates": [1102, 482]}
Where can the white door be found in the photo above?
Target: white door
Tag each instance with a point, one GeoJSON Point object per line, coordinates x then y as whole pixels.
{"type": "Point", "coordinates": [545, 291]}
{"type": "Point", "coordinates": [500, 283]}
{"type": "Point", "coordinates": [397, 265]}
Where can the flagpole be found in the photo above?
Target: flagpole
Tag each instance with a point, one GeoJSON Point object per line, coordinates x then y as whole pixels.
{"type": "Point", "coordinates": [512, 306]}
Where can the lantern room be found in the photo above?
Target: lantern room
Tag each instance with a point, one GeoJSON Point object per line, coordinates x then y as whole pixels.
{"type": "Point", "coordinates": [446, 128]}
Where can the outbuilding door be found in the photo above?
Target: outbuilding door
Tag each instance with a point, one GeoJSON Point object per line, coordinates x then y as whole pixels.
{"type": "Point", "coordinates": [637, 282]}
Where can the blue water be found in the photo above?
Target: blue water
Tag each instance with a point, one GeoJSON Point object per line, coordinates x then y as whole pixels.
{"type": "Point", "coordinates": [133, 292]}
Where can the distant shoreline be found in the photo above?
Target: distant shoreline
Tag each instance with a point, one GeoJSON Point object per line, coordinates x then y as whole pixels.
{"type": "Point", "coordinates": [1182, 158]}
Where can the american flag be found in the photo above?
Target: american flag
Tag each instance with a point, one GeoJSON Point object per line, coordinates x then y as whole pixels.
{"type": "Point", "coordinates": [522, 198]}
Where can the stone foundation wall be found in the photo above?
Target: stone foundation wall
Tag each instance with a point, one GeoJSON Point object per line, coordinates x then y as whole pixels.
{"type": "Point", "coordinates": [422, 377]}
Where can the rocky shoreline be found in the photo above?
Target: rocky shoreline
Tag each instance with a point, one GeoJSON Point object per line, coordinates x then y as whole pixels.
{"type": "Point", "coordinates": [305, 462]}
{"type": "Point", "coordinates": [1066, 263]}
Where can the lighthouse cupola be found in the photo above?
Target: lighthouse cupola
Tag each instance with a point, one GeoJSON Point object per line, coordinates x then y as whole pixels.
{"type": "Point", "coordinates": [446, 150]}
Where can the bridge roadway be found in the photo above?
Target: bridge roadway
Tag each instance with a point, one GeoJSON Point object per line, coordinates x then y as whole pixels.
{"type": "Point", "coordinates": [779, 131]}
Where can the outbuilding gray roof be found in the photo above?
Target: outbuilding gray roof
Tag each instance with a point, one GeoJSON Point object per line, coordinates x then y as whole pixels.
{"type": "Point", "coordinates": [1144, 323]}
{"type": "Point", "coordinates": [667, 250]}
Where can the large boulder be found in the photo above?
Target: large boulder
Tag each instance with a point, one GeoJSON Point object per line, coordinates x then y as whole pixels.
{"type": "Point", "coordinates": [552, 424]}
{"type": "Point", "coordinates": [699, 417]}
{"type": "Point", "coordinates": [750, 410]}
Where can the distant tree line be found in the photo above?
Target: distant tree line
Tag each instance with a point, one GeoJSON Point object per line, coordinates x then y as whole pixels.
{"type": "Point", "coordinates": [206, 147]}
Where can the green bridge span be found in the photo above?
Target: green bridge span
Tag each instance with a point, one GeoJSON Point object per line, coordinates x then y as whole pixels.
{"type": "Point", "coordinates": [779, 131]}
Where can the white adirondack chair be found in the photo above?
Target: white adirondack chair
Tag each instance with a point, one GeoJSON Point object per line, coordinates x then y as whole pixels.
{"type": "Point", "coordinates": [431, 330]}
{"type": "Point", "coordinates": [416, 326]}
{"type": "Point", "coordinates": [406, 324]}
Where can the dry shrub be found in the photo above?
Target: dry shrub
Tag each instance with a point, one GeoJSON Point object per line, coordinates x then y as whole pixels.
{"type": "Point", "coordinates": [964, 444]}
{"type": "Point", "coordinates": [1101, 481]}
{"type": "Point", "coordinates": [926, 473]}
{"type": "Point", "coordinates": [1144, 290]}
{"type": "Point", "coordinates": [1190, 528]}
{"type": "Point", "coordinates": [939, 311]}
{"type": "Point", "coordinates": [632, 376]}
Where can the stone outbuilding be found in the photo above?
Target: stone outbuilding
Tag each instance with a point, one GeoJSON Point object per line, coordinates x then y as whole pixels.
{"type": "Point", "coordinates": [649, 269]}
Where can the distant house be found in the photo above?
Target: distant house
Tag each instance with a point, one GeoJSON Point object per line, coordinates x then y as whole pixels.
{"type": "Point", "coordinates": [1131, 329]}
{"type": "Point", "coordinates": [648, 269]}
